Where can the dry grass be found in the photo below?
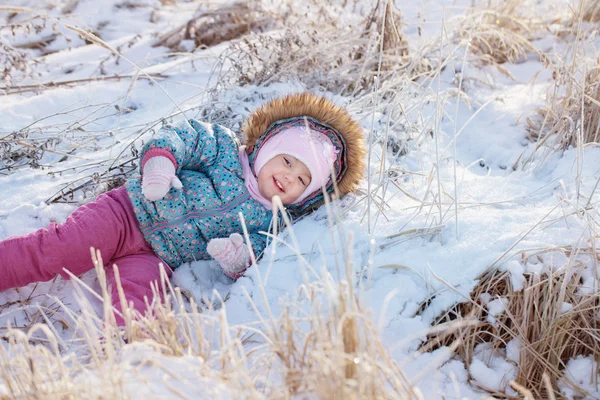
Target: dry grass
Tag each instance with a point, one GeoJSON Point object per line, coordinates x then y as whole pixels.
{"type": "Point", "coordinates": [16, 63]}
{"type": "Point", "coordinates": [211, 27]}
{"type": "Point", "coordinates": [497, 37]}
{"type": "Point", "coordinates": [384, 22]}
{"type": "Point", "coordinates": [490, 37]}
{"type": "Point", "coordinates": [549, 335]}
{"type": "Point", "coordinates": [591, 11]}
{"type": "Point", "coordinates": [324, 51]}
{"type": "Point", "coordinates": [338, 354]}
{"type": "Point", "coordinates": [570, 119]}
{"type": "Point", "coordinates": [324, 344]}
{"type": "Point", "coordinates": [570, 116]}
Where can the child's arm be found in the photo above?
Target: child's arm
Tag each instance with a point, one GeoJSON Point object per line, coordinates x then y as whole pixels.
{"type": "Point", "coordinates": [192, 145]}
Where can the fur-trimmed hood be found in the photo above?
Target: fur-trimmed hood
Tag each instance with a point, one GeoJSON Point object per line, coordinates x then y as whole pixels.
{"type": "Point", "coordinates": [322, 115]}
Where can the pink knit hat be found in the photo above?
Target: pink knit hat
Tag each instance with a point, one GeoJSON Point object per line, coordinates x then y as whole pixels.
{"type": "Point", "coordinates": [314, 149]}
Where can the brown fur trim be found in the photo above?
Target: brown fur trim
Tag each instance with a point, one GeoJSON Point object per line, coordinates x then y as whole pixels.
{"type": "Point", "coordinates": [324, 110]}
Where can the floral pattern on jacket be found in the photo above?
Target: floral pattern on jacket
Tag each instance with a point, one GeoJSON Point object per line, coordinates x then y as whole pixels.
{"type": "Point", "coordinates": [179, 226]}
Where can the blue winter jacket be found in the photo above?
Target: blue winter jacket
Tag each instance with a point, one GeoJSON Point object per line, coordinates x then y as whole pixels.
{"type": "Point", "coordinates": [179, 226]}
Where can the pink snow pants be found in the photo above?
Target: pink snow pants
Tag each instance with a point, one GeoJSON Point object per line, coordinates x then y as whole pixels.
{"type": "Point", "coordinates": [108, 224]}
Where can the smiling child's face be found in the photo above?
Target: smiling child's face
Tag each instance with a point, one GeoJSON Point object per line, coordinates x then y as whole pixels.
{"type": "Point", "coordinates": [285, 176]}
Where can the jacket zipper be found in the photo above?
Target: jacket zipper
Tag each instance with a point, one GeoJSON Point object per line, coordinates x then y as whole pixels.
{"type": "Point", "coordinates": [197, 214]}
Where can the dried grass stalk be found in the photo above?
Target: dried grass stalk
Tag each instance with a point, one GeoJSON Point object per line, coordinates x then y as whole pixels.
{"type": "Point", "coordinates": [15, 9]}
{"type": "Point", "coordinates": [534, 316]}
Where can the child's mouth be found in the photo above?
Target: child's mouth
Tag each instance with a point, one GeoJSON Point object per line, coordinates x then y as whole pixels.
{"type": "Point", "coordinates": [277, 184]}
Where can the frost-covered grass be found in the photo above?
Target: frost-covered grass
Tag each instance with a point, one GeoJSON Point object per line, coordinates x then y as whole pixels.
{"type": "Point", "coordinates": [465, 266]}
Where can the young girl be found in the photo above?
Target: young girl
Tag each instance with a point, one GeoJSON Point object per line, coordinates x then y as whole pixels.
{"type": "Point", "coordinates": [195, 180]}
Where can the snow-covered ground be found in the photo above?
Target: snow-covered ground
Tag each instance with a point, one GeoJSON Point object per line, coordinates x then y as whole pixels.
{"type": "Point", "coordinates": [476, 145]}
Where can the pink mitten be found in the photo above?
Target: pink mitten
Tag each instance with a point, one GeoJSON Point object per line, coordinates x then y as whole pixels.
{"type": "Point", "coordinates": [157, 178]}
{"type": "Point", "coordinates": [231, 253]}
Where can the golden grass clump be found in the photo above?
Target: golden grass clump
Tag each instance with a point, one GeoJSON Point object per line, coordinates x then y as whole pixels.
{"type": "Point", "coordinates": [26, 369]}
{"type": "Point", "coordinates": [571, 119]}
{"type": "Point", "coordinates": [553, 318]}
{"type": "Point", "coordinates": [335, 354]}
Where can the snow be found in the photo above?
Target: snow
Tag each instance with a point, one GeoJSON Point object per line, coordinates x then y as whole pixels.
{"type": "Point", "coordinates": [584, 372]}
{"type": "Point", "coordinates": [565, 307]}
{"type": "Point", "coordinates": [501, 212]}
{"type": "Point", "coordinates": [495, 307]}
{"type": "Point", "coordinates": [513, 350]}
{"type": "Point", "coordinates": [516, 270]}
{"type": "Point", "coordinates": [491, 370]}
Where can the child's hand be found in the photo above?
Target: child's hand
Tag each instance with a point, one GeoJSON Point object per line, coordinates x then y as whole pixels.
{"type": "Point", "coordinates": [158, 177]}
{"type": "Point", "coordinates": [231, 253]}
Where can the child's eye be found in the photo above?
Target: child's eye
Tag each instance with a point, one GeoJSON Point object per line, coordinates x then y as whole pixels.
{"type": "Point", "coordinates": [302, 181]}
{"type": "Point", "coordinates": [287, 162]}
